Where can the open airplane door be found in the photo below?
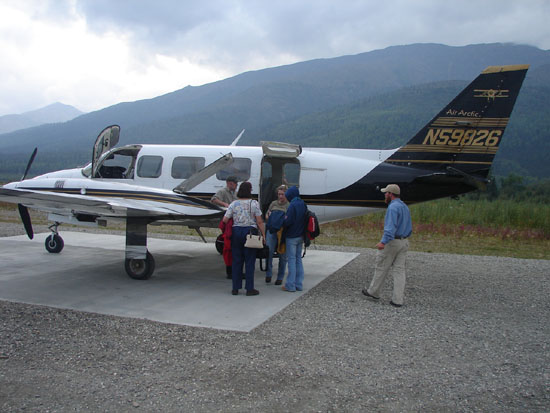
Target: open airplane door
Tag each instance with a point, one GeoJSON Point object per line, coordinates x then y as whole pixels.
{"type": "Point", "coordinates": [279, 166]}
{"type": "Point", "coordinates": [105, 140]}
{"type": "Point", "coordinates": [281, 150]}
{"type": "Point", "coordinates": [203, 174]}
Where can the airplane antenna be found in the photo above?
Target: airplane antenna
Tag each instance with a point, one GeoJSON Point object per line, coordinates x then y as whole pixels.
{"type": "Point", "coordinates": [234, 143]}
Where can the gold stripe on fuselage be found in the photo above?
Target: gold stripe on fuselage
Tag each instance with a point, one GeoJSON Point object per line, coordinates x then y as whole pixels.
{"type": "Point", "coordinates": [471, 122]}
{"type": "Point", "coordinates": [450, 149]}
{"type": "Point", "coordinates": [436, 161]}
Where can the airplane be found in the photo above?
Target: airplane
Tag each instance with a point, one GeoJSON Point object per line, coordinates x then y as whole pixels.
{"type": "Point", "coordinates": [145, 184]}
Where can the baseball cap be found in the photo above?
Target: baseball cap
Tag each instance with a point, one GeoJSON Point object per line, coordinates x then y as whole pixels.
{"type": "Point", "coordinates": [393, 188]}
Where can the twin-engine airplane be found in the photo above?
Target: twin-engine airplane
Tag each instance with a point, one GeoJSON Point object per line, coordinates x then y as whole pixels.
{"type": "Point", "coordinates": [173, 184]}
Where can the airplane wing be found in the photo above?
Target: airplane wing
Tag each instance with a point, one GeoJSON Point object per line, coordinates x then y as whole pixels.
{"type": "Point", "coordinates": [89, 202]}
{"type": "Point", "coordinates": [112, 202]}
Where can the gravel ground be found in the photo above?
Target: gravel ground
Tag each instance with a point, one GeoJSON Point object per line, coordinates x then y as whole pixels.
{"type": "Point", "coordinates": [473, 336]}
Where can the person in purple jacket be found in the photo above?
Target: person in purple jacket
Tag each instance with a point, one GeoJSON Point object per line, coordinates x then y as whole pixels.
{"type": "Point", "coordinates": [294, 224]}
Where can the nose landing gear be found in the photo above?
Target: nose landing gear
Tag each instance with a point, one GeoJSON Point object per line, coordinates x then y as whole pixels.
{"type": "Point", "coordinates": [54, 243]}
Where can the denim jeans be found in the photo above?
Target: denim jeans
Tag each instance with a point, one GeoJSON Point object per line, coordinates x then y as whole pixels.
{"type": "Point", "coordinates": [241, 255]}
{"type": "Point", "coordinates": [295, 277]}
{"type": "Point", "coordinates": [271, 242]}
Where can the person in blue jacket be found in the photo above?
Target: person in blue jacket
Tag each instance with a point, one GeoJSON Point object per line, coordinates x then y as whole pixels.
{"type": "Point", "coordinates": [294, 224]}
{"type": "Point", "coordinates": [275, 217]}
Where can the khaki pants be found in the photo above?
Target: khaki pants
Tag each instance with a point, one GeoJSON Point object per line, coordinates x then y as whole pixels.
{"type": "Point", "coordinates": [394, 254]}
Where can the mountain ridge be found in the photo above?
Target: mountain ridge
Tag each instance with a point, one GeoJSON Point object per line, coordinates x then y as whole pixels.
{"type": "Point", "coordinates": [260, 100]}
{"type": "Point", "coordinates": [53, 113]}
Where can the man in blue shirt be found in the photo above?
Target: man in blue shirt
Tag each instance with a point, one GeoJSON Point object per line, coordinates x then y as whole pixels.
{"type": "Point", "coordinates": [392, 249]}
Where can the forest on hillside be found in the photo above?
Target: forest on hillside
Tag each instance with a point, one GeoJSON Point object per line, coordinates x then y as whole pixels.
{"type": "Point", "coordinates": [374, 100]}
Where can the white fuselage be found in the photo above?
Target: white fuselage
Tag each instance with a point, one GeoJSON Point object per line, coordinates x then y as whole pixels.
{"type": "Point", "coordinates": [316, 171]}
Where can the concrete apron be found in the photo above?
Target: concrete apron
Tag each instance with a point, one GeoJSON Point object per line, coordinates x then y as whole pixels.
{"type": "Point", "coordinates": [188, 286]}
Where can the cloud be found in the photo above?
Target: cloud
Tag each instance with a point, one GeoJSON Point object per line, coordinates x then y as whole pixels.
{"type": "Point", "coordinates": [56, 57]}
{"type": "Point", "coordinates": [232, 32]}
{"type": "Point", "coordinates": [94, 53]}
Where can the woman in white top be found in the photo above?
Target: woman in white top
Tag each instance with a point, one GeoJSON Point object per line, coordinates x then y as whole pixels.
{"type": "Point", "coordinates": [247, 216]}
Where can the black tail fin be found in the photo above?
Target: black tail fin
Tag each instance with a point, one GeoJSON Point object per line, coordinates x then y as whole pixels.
{"type": "Point", "coordinates": [464, 137]}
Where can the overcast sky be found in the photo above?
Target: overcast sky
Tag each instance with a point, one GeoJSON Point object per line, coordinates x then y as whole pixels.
{"type": "Point", "coordinates": [96, 53]}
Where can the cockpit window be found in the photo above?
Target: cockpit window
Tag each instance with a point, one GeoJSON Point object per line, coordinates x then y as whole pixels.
{"type": "Point", "coordinates": [185, 166]}
{"type": "Point", "coordinates": [149, 166]}
{"type": "Point", "coordinates": [115, 166]}
{"type": "Point", "coordinates": [118, 163]}
{"type": "Point", "coordinates": [239, 168]}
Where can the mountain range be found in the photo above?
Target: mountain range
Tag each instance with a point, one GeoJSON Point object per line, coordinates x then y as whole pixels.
{"type": "Point", "coordinates": [54, 113]}
{"type": "Point", "coordinates": [377, 99]}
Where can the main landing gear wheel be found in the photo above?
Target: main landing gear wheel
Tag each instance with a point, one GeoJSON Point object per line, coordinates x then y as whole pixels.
{"type": "Point", "coordinates": [54, 243]}
{"type": "Point", "coordinates": [140, 269]}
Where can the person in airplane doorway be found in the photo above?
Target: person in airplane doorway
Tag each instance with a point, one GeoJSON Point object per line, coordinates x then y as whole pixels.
{"type": "Point", "coordinates": [247, 217]}
{"type": "Point", "coordinates": [275, 216]}
{"type": "Point", "coordinates": [392, 249]}
{"type": "Point", "coordinates": [226, 195]}
{"type": "Point", "coordinates": [294, 224]}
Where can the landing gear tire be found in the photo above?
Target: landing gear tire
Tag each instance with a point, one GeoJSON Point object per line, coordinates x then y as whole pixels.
{"type": "Point", "coordinates": [140, 269]}
{"type": "Point", "coordinates": [54, 243]}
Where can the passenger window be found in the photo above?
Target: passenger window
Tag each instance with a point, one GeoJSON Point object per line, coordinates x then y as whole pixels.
{"type": "Point", "coordinates": [149, 166]}
{"type": "Point", "coordinates": [291, 174]}
{"type": "Point", "coordinates": [239, 168]}
{"type": "Point", "coordinates": [185, 166]}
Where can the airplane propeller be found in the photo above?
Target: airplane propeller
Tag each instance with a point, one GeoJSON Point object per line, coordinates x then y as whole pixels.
{"type": "Point", "coordinates": [31, 160]}
{"type": "Point", "coordinates": [23, 210]}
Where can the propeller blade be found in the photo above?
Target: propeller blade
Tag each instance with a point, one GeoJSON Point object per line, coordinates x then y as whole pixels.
{"type": "Point", "coordinates": [29, 164]}
{"type": "Point", "coordinates": [26, 218]}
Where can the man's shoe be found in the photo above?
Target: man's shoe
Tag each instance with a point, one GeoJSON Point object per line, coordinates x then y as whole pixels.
{"type": "Point", "coordinates": [365, 292]}
{"type": "Point", "coordinates": [396, 305]}
{"type": "Point", "coordinates": [278, 282]}
{"type": "Point", "coordinates": [285, 289]}
{"type": "Point", "coordinates": [267, 280]}
{"type": "Point", "coordinates": [234, 292]}
{"type": "Point", "coordinates": [252, 292]}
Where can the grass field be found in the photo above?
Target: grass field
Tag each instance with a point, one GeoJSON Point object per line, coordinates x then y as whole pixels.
{"type": "Point", "coordinates": [498, 228]}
